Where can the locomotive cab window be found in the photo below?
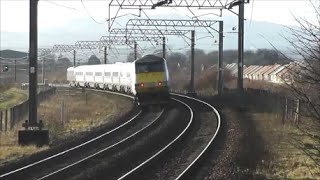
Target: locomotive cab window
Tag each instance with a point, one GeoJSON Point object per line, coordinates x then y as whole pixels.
{"type": "Point", "coordinates": [150, 67]}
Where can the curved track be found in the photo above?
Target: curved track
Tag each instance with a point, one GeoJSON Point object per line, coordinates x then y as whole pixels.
{"type": "Point", "coordinates": [55, 173]}
{"type": "Point", "coordinates": [147, 140]}
{"type": "Point", "coordinates": [33, 168]}
{"type": "Point", "coordinates": [164, 164]}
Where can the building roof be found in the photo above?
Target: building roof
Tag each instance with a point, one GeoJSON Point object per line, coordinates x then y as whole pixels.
{"type": "Point", "coordinates": [273, 68]}
{"type": "Point", "coordinates": [248, 69]}
{"type": "Point", "coordinates": [261, 70]}
{"type": "Point", "coordinates": [266, 69]}
{"type": "Point", "coordinates": [254, 70]}
{"type": "Point", "coordinates": [278, 70]}
{"type": "Point", "coordinates": [288, 69]}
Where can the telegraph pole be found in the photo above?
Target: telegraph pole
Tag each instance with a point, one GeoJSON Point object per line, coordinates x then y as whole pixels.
{"type": "Point", "coordinates": [164, 47]}
{"type": "Point", "coordinates": [240, 46]}
{"type": "Point", "coordinates": [191, 88]}
{"type": "Point", "coordinates": [33, 133]}
{"type": "Point", "coordinates": [105, 55]}
{"type": "Point", "coordinates": [15, 70]}
{"type": "Point", "coordinates": [33, 74]}
{"type": "Point", "coordinates": [221, 70]}
{"type": "Point", "coordinates": [74, 58]}
{"type": "Point", "coordinates": [43, 70]}
{"type": "Point", "coordinates": [135, 51]}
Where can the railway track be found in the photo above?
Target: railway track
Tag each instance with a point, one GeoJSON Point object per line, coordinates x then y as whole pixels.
{"type": "Point", "coordinates": [181, 160]}
{"type": "Point", "coordinates": [127, 151]}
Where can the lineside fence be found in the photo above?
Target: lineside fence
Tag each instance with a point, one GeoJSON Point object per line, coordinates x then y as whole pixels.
{"type": "Point", "coordinates": [9, 117]}
{"type": "Point", "coordinates": [288, 107]}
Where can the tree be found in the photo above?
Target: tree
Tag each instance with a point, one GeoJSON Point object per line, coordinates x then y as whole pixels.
{"type": "Point", "coordinates": [306, 72]}
{"type": "Point", "coordinates": [159, 52]}
{"type": "Point", "coordinates": [176, 60]}
{"type": "Point", "coordinates": [49, 62]}
{"type": "Point", "coordinates": [130, 57]}
{"type": "Point", "coordinates": [93, 60]}
{"type": "Point", "coordinates": [213, 57]}
{"type": "Point", "coordinates": [200, 60]}
{"type": "Point", "coordinates": [63, 62]}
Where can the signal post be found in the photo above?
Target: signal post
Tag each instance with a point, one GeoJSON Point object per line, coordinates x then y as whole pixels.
{"type": "Point", "coordinates": [33, 132]}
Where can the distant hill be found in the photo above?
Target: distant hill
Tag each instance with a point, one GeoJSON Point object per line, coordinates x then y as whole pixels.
{"type": "Point", "coordinates": [12, 54]}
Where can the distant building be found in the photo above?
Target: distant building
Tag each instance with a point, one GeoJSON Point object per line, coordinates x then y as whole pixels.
{"type": "Point", "coordinates": [270, 73]}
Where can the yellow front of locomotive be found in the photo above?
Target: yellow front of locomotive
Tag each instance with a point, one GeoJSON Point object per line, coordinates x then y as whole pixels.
{"type": "Point", "coordinates": [151, 80]}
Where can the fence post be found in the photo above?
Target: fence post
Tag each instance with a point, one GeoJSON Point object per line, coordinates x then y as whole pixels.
{"type": "Point", "coordinates": [11, 118]}
{"type": "Point", "coordinates": [86, 98]}
{"type": "Point", "coordinates": [0, 120]}
{"type": "Point", "coordinates": [285, 112]}
{"type": "Point", "coordinates": [62, 112]}
{"type": "Point", "coordinates": [6, 120]}
{"type": "Point", "coordinates": [296, 114]}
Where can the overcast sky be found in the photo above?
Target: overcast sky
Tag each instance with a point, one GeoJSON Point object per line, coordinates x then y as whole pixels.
{"type": "Point", "coordinates": [58, 13]}
{"type": "Point", "coordinates": [55, 18]}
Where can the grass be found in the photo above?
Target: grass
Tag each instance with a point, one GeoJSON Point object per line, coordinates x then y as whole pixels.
{"type": "Point", "coordinates": [79, 115]}
{"type": "Point", "coordinates": [11, 97]}
{"type": "Point", "coordinates": [294, 154]}
{"type": "Point", "coordinates": [56, 76]}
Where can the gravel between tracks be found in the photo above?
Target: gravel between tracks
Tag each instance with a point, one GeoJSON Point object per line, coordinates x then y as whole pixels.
{"type": "Point", "coordinates": [113, 164]}
{"type": "Point", "coordinates": [178, 157]}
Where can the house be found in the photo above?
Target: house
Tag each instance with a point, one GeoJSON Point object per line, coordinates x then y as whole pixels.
{"type": "Point", "coordinates": [258, 74]}
{"type": "Point", "coordinates": [267, 74]}
{"type": "Point", "coordinates": [247, 70]}
{"type": "Point", "coordinates": [251, 74]}
{"type": "Point", "coordinates": [233, 68]}
{"type": "Point", "coordinates": [273, 76]}
{"type": "Point", "coordinates": [287, 74]}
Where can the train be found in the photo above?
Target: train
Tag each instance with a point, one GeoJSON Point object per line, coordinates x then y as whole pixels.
{"type": "Point", "coordinates": [146, 78]}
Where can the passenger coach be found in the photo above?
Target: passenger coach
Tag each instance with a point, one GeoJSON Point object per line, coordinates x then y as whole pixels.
{"type": "Point", "coordinates": [146, 78]}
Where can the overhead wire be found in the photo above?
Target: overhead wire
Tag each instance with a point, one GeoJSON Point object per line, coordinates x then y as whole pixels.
{"type": "Point", "coordinates": [251, 13]}
{"type": "Point", "coordinates": [87, 11]}
{"type": "Point", "coordinates": [64, 6]}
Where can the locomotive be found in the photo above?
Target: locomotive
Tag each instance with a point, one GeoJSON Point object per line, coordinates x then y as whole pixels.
{"type": "Point", "coordinates": [146, 78]}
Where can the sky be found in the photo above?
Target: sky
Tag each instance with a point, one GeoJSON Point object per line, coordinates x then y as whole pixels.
{"type": "Point", "coordinates": [57, 14]}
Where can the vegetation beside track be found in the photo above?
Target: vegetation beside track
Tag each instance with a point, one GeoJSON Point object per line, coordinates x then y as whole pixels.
{"type": "Point", "coordinates": [81, 113]}
{"type": "Point", "coordinates": [268, 146]}
{"type": "Point", "coordinates": [293, 150]}
{"type": "Point", "coordinates": [10, 97]}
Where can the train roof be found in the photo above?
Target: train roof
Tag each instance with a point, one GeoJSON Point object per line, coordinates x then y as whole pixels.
{"type": "Point", "coordinates": [149, 58]}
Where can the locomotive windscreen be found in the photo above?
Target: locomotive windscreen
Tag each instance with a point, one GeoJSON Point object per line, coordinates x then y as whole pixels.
{"type": "Point", "coordinates": [150, 67]}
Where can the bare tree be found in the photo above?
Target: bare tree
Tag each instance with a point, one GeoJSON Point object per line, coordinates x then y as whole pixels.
{"type": "Point", "coordinates": [305, 68]}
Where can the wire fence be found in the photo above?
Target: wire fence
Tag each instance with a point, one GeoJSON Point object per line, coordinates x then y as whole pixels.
{"type": "Point", "coordinates": [11, 116]}
{"type": "Point", "coordinates": [291, 109]}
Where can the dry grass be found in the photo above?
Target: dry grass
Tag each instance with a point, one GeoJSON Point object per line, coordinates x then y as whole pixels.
{"type": "Point", "coordinates": [11, 97]}
{"type": "Point", "coordinates": [293, 153]}
{"type": "Point", "coordinates": [78, 116]}
{"type": "Point", "coordinates": [56, 76]}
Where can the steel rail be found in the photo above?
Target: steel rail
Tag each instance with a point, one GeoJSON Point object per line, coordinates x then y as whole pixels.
{"type": "Point", "coordinates": [164, 148]}
{"type": "Point", "coordinates": [103, 150]}
{"type": "Point", "coordinates": [202, 152]}
{"type": "Point", "coordinates": [78, 146]}
{"type": "Point", "coordinates": [211, 140]}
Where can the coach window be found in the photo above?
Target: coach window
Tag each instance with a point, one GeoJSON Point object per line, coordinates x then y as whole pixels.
{"type": "Point", "coordinates": [115, 74]}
